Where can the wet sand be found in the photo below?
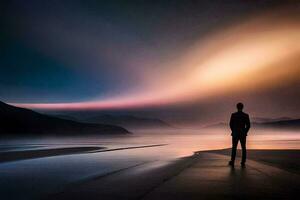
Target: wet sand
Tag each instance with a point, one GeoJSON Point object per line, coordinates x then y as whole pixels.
{"type": "Point", "coordinates": [269, 174]}
{"type": "Point", "coordinates": [205, 175]}
{"type": "Point", "coordinates": [7, 156]}
{"type": "Point", "coordinates": [40, 153]}
{"type": "Point", "coordinates": [288, 160]}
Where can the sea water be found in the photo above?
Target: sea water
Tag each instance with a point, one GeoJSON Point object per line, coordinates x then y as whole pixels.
{"type": "Point", "coordinates": [39, 177]}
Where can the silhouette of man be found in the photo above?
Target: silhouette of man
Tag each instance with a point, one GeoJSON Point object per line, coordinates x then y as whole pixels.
{"type": "Point", "coordinates": [239, 125]}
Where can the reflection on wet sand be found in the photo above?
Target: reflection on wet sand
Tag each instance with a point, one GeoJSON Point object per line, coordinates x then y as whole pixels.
{"type": "Point", "coordinates": [62, 162]}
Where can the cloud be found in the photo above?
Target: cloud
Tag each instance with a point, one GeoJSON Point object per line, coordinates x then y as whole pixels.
{"type": "Point", "coordinates": [254, 55]}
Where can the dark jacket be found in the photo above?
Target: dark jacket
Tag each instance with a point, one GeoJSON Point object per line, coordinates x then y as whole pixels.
{"type": "Point", "coordinates": [239, 124]}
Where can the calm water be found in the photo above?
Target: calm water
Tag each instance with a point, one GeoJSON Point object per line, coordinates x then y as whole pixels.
{"type": "Point", "coordinates": [35, 178]}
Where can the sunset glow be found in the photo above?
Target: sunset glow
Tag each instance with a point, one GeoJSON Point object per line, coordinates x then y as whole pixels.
{"type": "Point", "coordinates": [255, 54]}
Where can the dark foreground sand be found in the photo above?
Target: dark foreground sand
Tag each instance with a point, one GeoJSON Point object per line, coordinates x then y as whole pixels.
{"type": "Point", "coordinates": [288, 160]}
{"type": "Point", "coordinates": [205, 175]}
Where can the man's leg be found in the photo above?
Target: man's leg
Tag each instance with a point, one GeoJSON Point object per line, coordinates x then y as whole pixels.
{"type": "Point", "coordinates": [235, 141]}
{"type": "Point", "coordinates": [244, 151]}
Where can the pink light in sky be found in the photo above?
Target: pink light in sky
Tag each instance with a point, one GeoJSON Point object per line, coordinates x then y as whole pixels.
{"type": "Point", "coordinates": [244, 57]}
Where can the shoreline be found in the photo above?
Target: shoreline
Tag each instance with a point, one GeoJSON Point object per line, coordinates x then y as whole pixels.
{"type": "Point", "coordinates": [10, 156]}
{"type": "Point", "coordinates": [287, 159]}
{"type": "Point", "coordinates": [184, 177]}
{"type": "Point", "coordinates": [188, 177]}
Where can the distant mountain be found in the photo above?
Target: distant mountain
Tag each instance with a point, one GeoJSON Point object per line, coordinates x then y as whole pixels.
{"type": "Point", "coordinates": [287, 124]}
{"type": "Point", "coordinates": [130, 122]}
{"type": "Point", "coordinates": [67, 117]}
{"type": "Point", "coordinates": [284, 123]}
{"type": "Point", "coordinates": [15, 120]}
{"type": "Point", "coordinates": [264, 119]}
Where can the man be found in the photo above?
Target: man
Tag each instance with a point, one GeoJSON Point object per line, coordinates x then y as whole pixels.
{"type": "Point", "coordinates": [239, 125]}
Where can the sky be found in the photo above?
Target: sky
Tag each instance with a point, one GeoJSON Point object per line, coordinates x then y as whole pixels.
{"type": "Point", "coordinates": [180, 60]}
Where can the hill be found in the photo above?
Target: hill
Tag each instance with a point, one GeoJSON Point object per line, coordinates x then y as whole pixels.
{"type": "Point", "coordinates": [130, 122]}
{"type": "Point", "coordinates": [266, 120]}
{"type": "Point", "coordinates": [15, 120]}
{"type": "Point", "coordinates": [281, 123]}
{"type": "Point", "coordinates": [287, 124]}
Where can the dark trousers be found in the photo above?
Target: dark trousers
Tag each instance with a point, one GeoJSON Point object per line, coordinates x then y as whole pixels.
{"type": "Point", "coordinates": [235, 141]}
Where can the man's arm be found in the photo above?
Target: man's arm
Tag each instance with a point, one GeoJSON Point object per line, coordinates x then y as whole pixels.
{"type": "Point", "coordinates": [231, 123]}
{"type": "Point", "coordinates": [248, 124]}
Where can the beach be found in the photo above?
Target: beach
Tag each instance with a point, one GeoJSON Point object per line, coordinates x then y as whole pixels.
{"type": "Point", "coordinates": [205, 175]}
{"type": "Point", "coordinates": [269, 174]}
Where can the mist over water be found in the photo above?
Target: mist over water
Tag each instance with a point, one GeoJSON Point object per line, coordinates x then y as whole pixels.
{"type": "Point", "coordinates": [180, 142]}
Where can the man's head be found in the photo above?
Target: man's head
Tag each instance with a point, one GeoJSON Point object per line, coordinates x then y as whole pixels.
{"type": "Point", "coordinates": [240, 106]}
